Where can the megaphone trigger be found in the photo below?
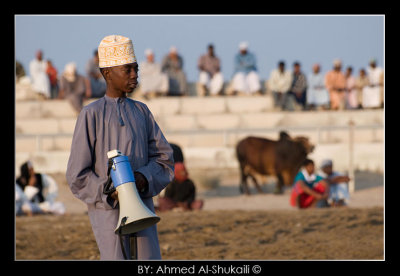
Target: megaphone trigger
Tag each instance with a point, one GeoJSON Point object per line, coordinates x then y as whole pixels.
{"type": "Point", "coordinates": [123, 221]}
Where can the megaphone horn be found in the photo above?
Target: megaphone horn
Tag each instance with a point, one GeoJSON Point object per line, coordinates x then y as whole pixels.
{"type": "Point", "coordinates": [134, 215]}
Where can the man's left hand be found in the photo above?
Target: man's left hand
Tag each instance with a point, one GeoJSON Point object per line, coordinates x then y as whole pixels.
{"type": "Point", "coordinates": [141, 182]}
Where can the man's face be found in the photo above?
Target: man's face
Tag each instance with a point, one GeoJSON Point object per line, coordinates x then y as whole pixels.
{"type": "Point", "coordinates": [327, 169]}
{"type": "Point", "coordinates": [150, 58]}
{"type": "Point", "coordinates": [337, 68]}
{"type": "Point", "coordinates": [124, 77]}
{"type": "Point", "coordinates": [39, 55]}
{"type": "Point", "coordinates": [310, 168]}
{"type": "Point", "coordinates": [296, 69]}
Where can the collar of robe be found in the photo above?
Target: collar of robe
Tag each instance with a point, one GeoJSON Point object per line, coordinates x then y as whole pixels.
{"type": "Point", "coordinates": [118, 101]}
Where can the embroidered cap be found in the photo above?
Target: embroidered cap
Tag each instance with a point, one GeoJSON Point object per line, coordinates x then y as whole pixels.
{"type": "Point", "coordinates": [115, 50]}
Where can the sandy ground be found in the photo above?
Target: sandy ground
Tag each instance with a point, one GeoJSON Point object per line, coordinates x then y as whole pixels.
{"type": "Point", "coordinates": [231, 227]}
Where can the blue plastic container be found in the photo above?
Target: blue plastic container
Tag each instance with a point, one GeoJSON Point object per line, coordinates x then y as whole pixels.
{"type": "Point", "coordinates": [123, 171]}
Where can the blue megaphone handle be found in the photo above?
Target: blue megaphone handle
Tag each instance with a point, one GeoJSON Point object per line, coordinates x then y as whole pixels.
{"type": "Point", "coordinates": [121, 172]}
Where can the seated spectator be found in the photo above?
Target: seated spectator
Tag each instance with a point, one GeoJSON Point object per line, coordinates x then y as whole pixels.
{"type": "Point", "coordinates": [298, 87]}
{"type": "Point", "coordinates": [245, 79]}
{"type": "Point", "coordinates": [153, 82]}
{"type": "Point", "coordinates": [317, 95]}
{"type": "Point", "coordinates": [361, 82]}
{"type": "Point", "coordinates": [309, 190]}
{"type": "Point", "coordinates": [338, 184]}
{"type": "Point", "coordinates": [172, 65]}
{"type": "Point", "coordinates": [211, 79]}
{"type": "Point", "coordinates": [178, 154]}
{"type": "Point", "coordinates": [180, 193]}
{"type": "Point", "coordinates": [36, 192]}
{"type": "Point", "coordinates": [351, 91]}
{"type": "Point", "coordinates": [335, 82]}
{"type": "Point", "coordinates": [52, 74]}
{"type": "Point", "coordinates": [96, 86]}
{"type": "Point", "coordinates": [373, 93]}
{"type": "Point", "coordinates": [280, 81]}
{"type": "Point", "coordinates": [23, 206]}
{"type": "Point", "coordinates": [72, 87]}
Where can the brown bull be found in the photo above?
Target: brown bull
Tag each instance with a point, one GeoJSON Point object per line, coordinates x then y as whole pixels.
{"type": "Point", "coordinates": [281, 158]}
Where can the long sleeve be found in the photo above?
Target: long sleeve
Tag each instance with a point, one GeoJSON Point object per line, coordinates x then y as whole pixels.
{"type": "Point", "coordinates": [280, 82]}
{"type": "Point", "coordinates": [272, 83]}
{"type": "Point", "coordinates": [245, 63]}
{"type": "Point", "coordinates": [159, 169]}
{"type": "Point", "coordinates": [85, 184]}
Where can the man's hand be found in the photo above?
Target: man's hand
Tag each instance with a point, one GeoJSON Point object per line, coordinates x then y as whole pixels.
{"type": "Point", "coordinates": [141, 182]}
{"type": "Point", "coordinates": [340, 178]}
{"type": "Point", "coordinates": [32, 180]}
{"type": "Point", "coordinates": [114, 195]}
{"type": "Point", "coordinates": [320, 196]}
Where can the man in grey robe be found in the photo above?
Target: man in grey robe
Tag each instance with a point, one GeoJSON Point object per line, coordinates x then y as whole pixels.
{"type": "Point", "coordinates": [117, 122]}
{"type": "Point", "coordinates": [172, 65]}
{"type": "Point", "coordinates": [72, 87]}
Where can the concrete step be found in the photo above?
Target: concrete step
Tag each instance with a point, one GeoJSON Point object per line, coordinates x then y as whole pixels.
{"type": "Point", "coordinates": [251, 108]}
{"type": "Point", "coordinates": [158, 106]}
{"type": "Point", "coordinates": [176, 122]}
{"type": "Point", "coordinates": [56, 141]}
{"type": "Point", "coordinates": [40, 126]}
{"type": "Point", "coordinates": [366, 156]}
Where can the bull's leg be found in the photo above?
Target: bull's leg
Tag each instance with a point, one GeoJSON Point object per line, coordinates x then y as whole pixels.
{"type": "Point", "coordinates": [256, 184]}
{"type": "Point", "coordinates": [279, 185]}
{"type": "Point", "coordinates": [243, 184]}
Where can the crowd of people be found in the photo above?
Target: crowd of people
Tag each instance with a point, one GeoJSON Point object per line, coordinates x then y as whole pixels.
{"type": "Point", "coordinates": [291, 89]}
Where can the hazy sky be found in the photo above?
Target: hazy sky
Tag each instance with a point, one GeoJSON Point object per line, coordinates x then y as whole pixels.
{"type": "Point", "coordinates": [355, 39]}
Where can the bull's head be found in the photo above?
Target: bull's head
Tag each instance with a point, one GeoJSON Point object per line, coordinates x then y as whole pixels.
{"type": "Point", "coordinates": [305, 142]}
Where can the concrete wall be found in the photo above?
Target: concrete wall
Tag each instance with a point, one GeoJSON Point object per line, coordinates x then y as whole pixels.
{"type": "Point", "coordinates": [208, 129]}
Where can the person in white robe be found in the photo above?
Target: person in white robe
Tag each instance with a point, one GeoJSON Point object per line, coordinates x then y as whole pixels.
{"type": "Point", "coordinates": [317, 94]}
{"type": "Point", "coordinates": [40, 80]}
{"type": "Point", "coordinates": [280, 81]}
{"type": "Point", "coordinates": [373, 93]}
{"type": "Point", "coordinates": [246, 80]}
{"type": "Point", "coordinates": [351, 89]}
{"type": "Point", "coordinates": [153, 82]}
{"type": "Point", "coordinates": [36, 193]}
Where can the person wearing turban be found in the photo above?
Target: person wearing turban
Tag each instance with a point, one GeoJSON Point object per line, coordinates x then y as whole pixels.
{"type": "Point", "coordinates": [73, 87]}
{"type": "Point", "coordinates": [117, 122]}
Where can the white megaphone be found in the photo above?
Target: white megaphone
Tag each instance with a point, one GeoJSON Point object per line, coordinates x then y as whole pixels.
{"type": "Point", "coordinates": [134, 215]}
